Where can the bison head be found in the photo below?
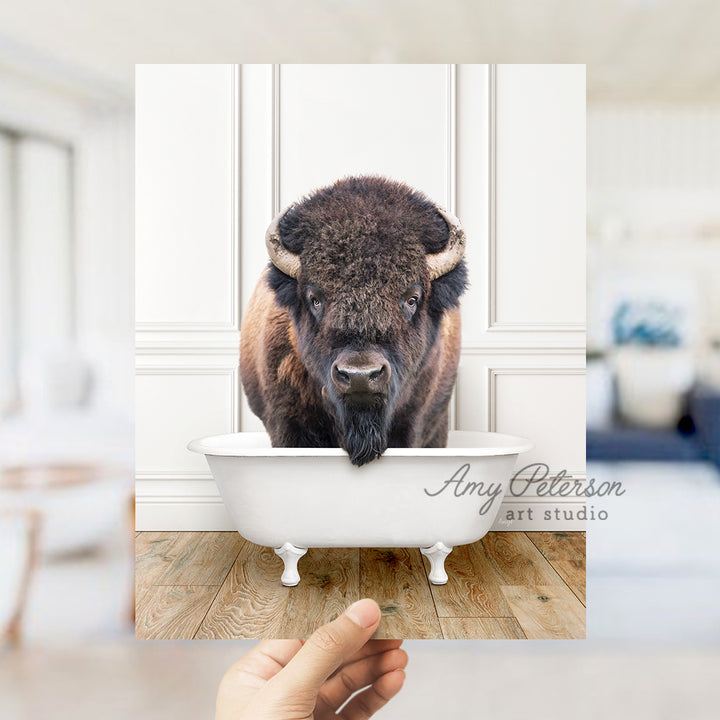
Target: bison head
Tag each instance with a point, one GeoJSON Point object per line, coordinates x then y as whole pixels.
{"type": "Point", "coordinates": [367, 268]}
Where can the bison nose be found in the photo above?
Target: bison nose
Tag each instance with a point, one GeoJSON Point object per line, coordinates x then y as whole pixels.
{"type": "Point", "coordinates": [364, 372]}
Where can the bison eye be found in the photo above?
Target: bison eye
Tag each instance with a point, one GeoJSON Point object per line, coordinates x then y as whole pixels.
{"type": "Point", "coordinates": [410, 301]}
{"type": "Point", "coordinates": [315, 300]}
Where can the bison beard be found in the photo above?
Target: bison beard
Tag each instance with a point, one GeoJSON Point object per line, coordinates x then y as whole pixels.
{"type": "Point", "coordinates": [365, 430]}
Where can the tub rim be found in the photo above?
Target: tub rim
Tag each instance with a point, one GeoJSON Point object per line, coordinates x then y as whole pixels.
{"type": "Point", "coordinates": [492, 444]}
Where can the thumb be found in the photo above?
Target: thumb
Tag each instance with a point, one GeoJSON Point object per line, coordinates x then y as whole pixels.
{"type": "Point", "coordinates": [327, 649]}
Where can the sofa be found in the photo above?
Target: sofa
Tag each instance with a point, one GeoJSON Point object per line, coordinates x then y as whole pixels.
{"type": "Point", "coordinates": [696, 437]}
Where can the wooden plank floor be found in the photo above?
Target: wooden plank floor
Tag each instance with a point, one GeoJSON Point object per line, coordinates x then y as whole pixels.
{"type": "Point", "coordinates": [216, 585]}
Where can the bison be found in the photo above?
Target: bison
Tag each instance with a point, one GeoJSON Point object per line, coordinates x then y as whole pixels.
{"type": "Point", "coordinates": [352, 336]}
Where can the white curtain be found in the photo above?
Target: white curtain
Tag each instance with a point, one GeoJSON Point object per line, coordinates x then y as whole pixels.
{"type": "Point", "coordinates": [7, 318]}
{"type": "Point", "coordinates": [37, 269]}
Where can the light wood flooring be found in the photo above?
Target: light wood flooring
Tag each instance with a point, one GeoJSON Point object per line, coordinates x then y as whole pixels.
{"type": "Point", "coordinates": [217, 585]}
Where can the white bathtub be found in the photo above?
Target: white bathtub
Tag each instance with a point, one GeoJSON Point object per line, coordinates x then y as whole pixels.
{"type": "Point", "coordinates": [295, 498]}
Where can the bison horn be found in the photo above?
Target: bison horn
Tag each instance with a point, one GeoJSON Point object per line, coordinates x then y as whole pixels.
{"type": "Point", "coordinates": [284, 260]}
{"type": "Point", "coordinates": [443, 262]}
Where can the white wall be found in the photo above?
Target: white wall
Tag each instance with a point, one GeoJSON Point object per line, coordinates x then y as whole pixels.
{"type": "Point", "coordinates": [220, 149]}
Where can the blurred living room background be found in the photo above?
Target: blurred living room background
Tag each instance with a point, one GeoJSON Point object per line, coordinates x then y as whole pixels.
{"type": "Point", "coordinates": [66, 355]}
{"type": "Point", "coordinates": [66, 392]}
{"type": "Point", "coordinates": [653, 364]}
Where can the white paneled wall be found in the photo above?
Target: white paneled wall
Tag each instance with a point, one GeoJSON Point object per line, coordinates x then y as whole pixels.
{"type": "Point", "coordinates": [187, 294]}
{"type": "Point", "coordinates": [220, 149]}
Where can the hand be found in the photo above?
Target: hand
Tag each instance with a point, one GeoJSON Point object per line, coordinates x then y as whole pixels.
{"type": "Point", "coordinates": [310, 680]}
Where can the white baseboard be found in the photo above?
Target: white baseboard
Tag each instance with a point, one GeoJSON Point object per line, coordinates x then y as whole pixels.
{"type": "Point", "coordinates": [182, 516]}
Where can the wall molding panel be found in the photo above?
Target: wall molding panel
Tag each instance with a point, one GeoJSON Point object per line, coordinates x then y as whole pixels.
{"type": "Point", "coordinates": [451, 135]}
{"type": "Point", "coordinates": [516, 203]}
{"type": "Point", "coordinates": [450, 92]}
{"type": "Point", "coordinates": [494, 372]}
{"type": "Point", "coordinates": [532, 420]}
{"type": "Point", "coordinates": [157, 380]}
{"type": "Point", "coordinates": [274, 132]}
{"type": "Point", "coordinates": [230, 144]}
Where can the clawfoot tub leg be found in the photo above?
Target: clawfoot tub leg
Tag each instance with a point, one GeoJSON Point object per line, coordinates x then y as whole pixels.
{"type": "Point", "coordinates": [290, 556]}
{"type": "Point", "coordinates": [437, 554]}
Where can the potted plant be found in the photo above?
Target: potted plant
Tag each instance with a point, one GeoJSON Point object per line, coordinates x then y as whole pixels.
{"type": "Point", "coordinates": [654, 367]}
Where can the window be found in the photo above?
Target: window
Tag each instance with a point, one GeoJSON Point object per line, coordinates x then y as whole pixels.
{"type": "Point", "coordinates": [37, 267]}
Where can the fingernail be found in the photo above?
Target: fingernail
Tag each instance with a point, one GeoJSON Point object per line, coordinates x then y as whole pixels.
{"type": "Point", "coordinates": [364, 613]}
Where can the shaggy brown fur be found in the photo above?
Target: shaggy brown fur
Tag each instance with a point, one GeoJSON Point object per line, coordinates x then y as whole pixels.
{"type": "Point", "coordinates": [362, 244]}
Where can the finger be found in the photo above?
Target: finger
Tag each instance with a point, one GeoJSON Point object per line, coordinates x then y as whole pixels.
{"type": "Point", "coordinates": [374, 647]}
{"type": "Point", "coordinates": [355, 676]}
{"type": "Point", "coordinates": [279, 651]}
{"type": "Point", "coordinates": [365, 704]}
{"type": "Point", "coordinates": [326, 649]}
{"type": "Point", "coordinates": [265, 661]}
